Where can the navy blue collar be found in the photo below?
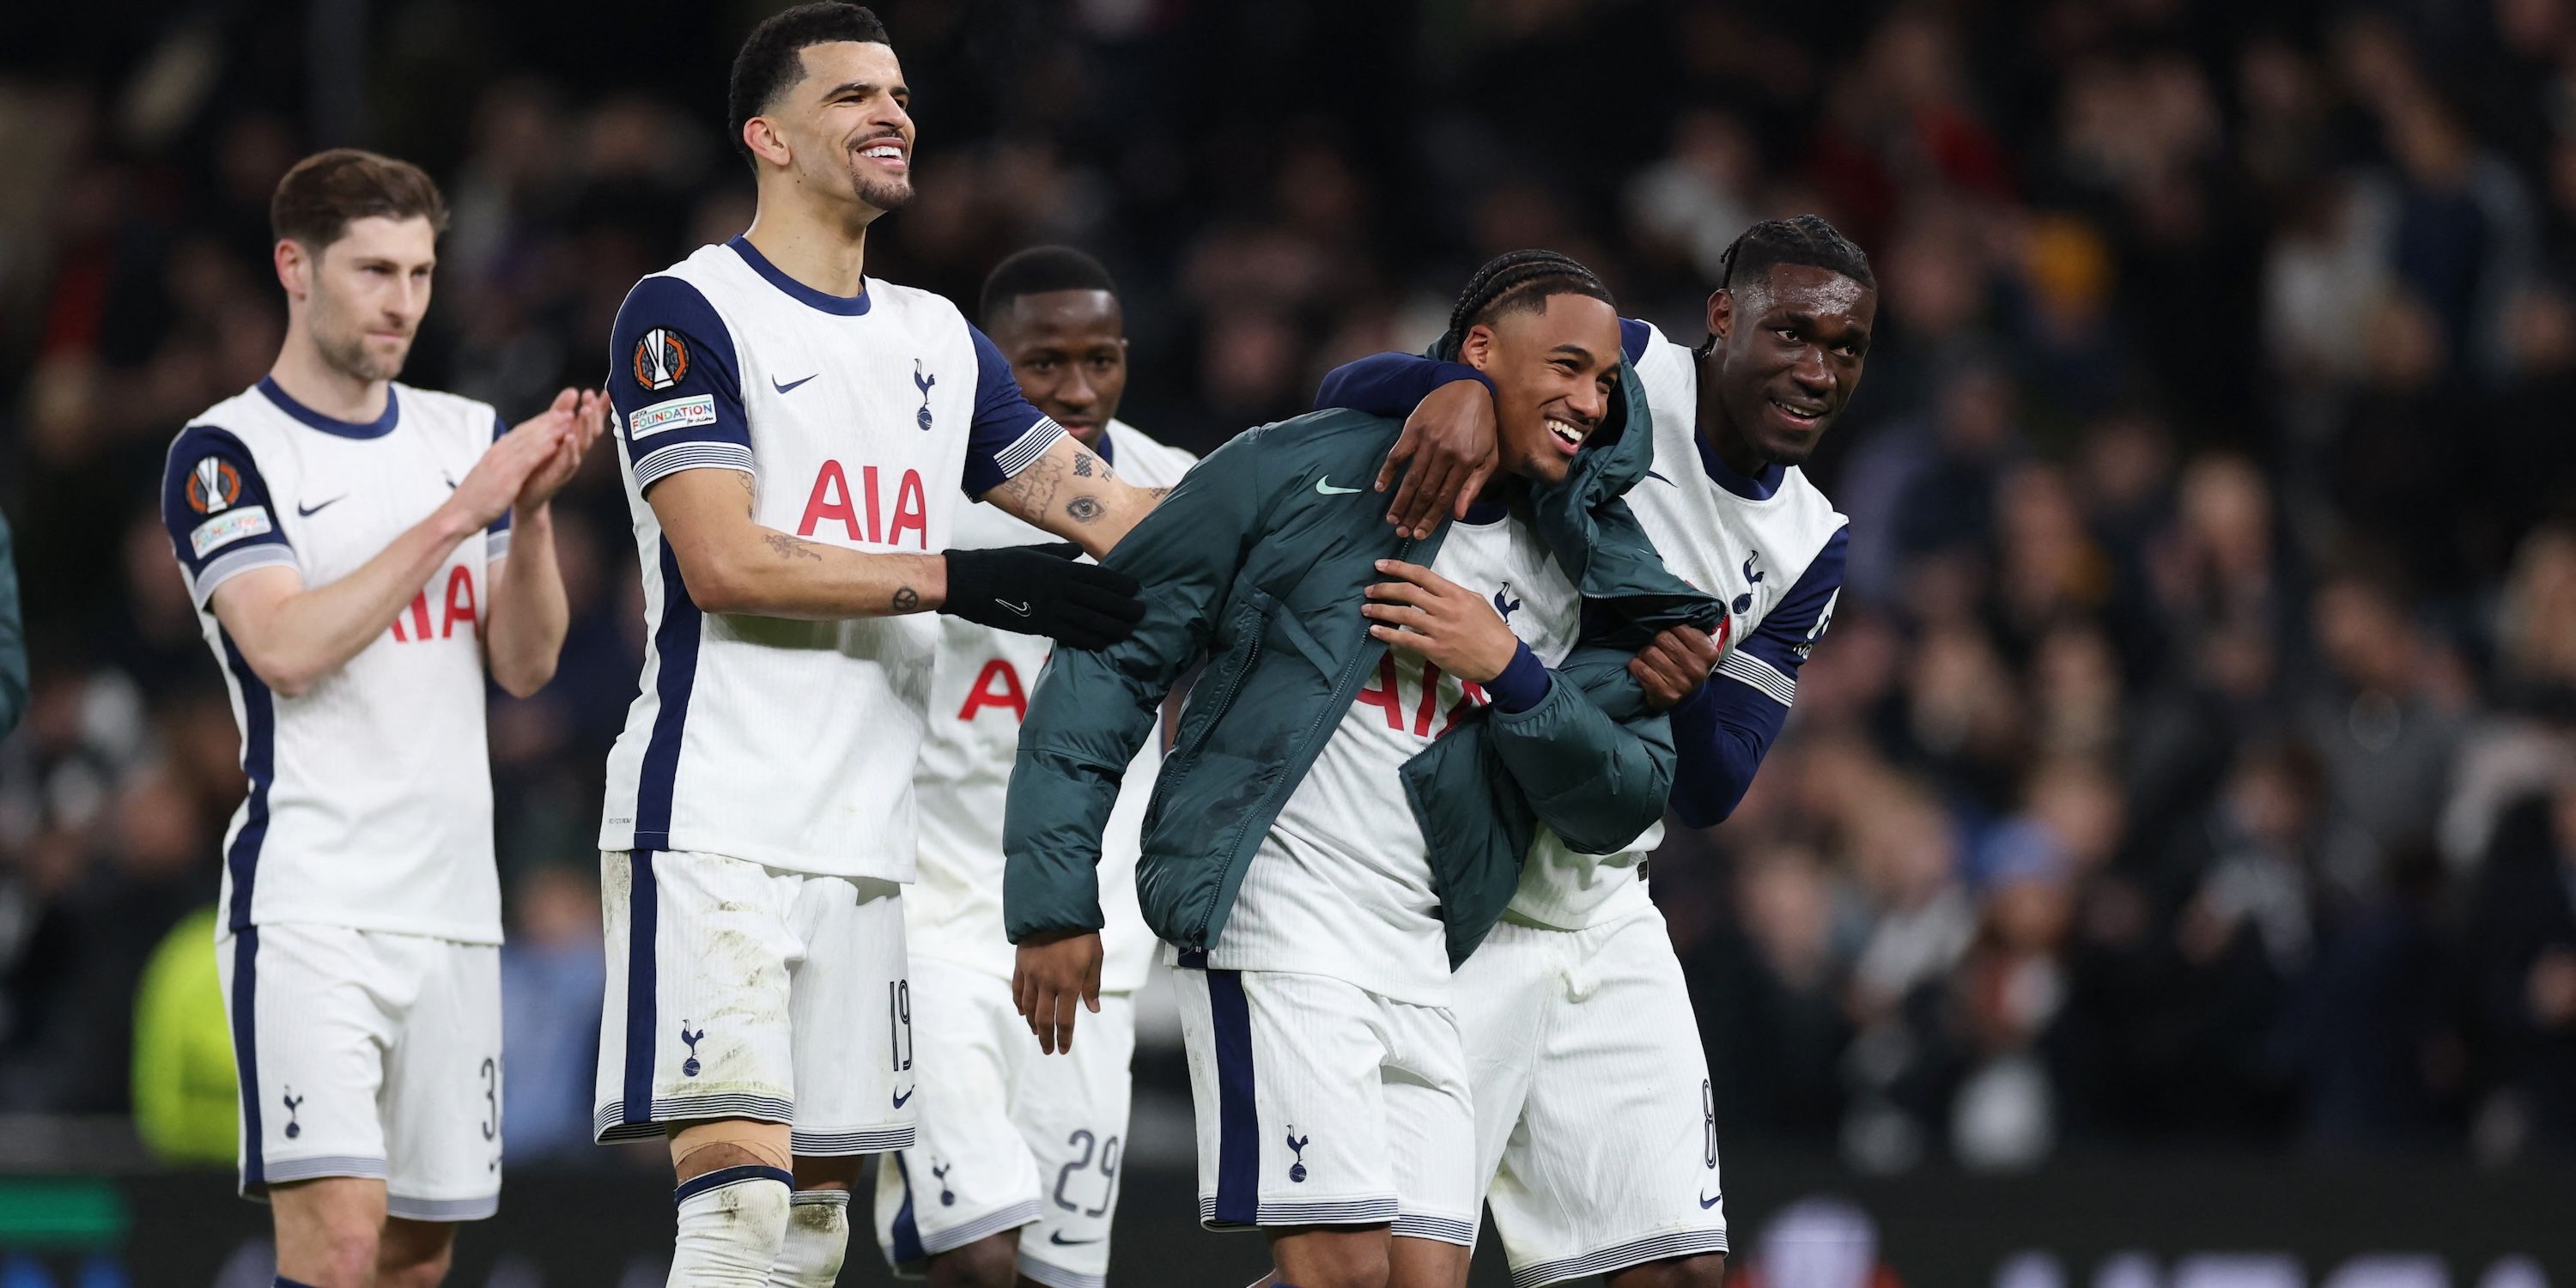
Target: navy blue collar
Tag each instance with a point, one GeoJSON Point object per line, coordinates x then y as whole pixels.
{"type": "Point", "coordinates": [377, 428]}
{"type": "Point", "coordinates": [1759, 487]}
{"type": "Point", "coordinates": [1487, 509]}
{"type": "Point", "coordinates": [848, 306]}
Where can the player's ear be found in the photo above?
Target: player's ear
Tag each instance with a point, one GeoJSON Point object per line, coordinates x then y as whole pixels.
{"type": "Point", "coordinates": [1477, 349]}
{"type": "Point", "coordinates": [294, 268]}
{"type": "Point", "coordinates": [1721, 312]}
{"type": "Point", "coordinates": [765, 141]}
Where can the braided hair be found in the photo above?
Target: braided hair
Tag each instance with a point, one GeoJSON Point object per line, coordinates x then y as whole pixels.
{"type": "Point", "coordinates": [1518, 281]}
{"type": "Point", "coordinates": [1803, 239]}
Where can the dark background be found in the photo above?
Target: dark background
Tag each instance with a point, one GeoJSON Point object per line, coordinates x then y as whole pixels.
{"type": "Point", "coordinates": [2188, 780]}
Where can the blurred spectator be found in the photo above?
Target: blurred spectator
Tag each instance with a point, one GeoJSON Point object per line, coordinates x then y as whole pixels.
{"type": "Point", "coordinates": [186, 1090]}
{"type": "Point", "coordinates": [552, 978]}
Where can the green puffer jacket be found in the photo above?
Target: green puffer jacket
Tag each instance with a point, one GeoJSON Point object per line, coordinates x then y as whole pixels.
{"type": "Point", "coordinates": [1257, 563]}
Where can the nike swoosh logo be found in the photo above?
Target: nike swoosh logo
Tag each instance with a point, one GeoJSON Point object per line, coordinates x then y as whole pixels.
{"type": "Point", "coordinates": [898, 1100]}
{"type": "Point", "coordinates": [1324, 487]}
{"type": "Point", "coordinates": [1667, 482]}
{"type": "Point", "coordinates": [773, 383]}
{"type": "Point", "coordinates": [1057, 1238]}
{"type": "Point", "coordinates": [451, 483]}
{"type": "Point", "coordinates": [1705, 1204]}
{"type": "Point", "coordinates": [308, 511]}
{"type": "Point", "coordinates": [1021, 608]}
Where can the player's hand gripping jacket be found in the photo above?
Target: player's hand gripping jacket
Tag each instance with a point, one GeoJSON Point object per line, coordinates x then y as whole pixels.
{"type": "Point", "coordinates": [1040, 590]}
{"type": "Point", "coordinates": [1257, 564]}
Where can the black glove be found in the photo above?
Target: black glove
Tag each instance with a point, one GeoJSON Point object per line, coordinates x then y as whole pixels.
{"type": "Point", "coordinates": [1040, 590]}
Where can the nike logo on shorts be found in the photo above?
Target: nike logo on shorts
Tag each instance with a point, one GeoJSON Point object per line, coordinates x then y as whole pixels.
{"type": "Point", "coordinates": [1706, 1203]}
{"type": "Point", "coordinates": [901, 1097]}
{"type": "Point", "coordinates": [1324, 487]}
{"type": "Point", "coordinates": [1057, 1238]}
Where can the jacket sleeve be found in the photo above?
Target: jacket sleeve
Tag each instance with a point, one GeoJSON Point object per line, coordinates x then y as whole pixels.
{"type": "Point", "coordinates": [1093, 709]}
{"type": "Point", "coordinates": [1594, 761]}
{"type": "Point", "coordinates": [1390, 384]}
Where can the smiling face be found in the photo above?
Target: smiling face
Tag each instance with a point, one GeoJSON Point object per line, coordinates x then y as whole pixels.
{"type": "Point", "coordinates": [1555, 369]}
{"type": "Point", "coordinates": [1792, 343]}
{"type": "Point", "coordinates": [845, 125]}
{"type": "Point", "coordinates": [364, 295]}
{"type": "Point", "coordinates": [1069, 350]}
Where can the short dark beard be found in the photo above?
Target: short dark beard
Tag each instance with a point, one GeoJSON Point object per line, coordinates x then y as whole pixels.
{"type": "Point", "coordinates": [352, 359]}
{"type": "Point", "coordinates": [885, 192]}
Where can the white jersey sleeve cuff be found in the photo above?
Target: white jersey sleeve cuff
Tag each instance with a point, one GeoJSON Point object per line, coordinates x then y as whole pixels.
{"type": "Point", "coordinates": [496, 546]}
{"type": "Point", "coordinates": [224, 567]}
{"type": "Point", "coordinates": [1028, 447]}
{"type": "Point", "coordinates": [656, 465]}
{"type": "Point", "coordinates": [1760, 676]}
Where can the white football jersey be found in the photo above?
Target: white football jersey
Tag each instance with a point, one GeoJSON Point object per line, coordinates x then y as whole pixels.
{"type": "Point", "coordinates": [1341, 885]}
{"type": "Point", "coordinates": [370, 801]}
{"type": "Point", "coordinates": [979, 694]}
{"type": "Point", "coordinates": [1771, 546]}
{"type": "Point", "coordinates": [861, 421]}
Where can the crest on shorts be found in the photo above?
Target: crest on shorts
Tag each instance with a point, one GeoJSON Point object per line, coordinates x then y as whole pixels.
{"type": "Point", "coordinates": [661, 359]}
{"type": "Point", "coordinates": [213, 485]}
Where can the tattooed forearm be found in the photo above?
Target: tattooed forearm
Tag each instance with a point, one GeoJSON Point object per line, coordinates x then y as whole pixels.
{"type": "Point", "coordinates": [1082, 464]}
{"type": "Point", "coordinates": [1084, 509]}
{"type": "Point", "coordinates": [790, 548]}
{"type": "Point", "coordinates": [906, 599]}
{"type": "Point", "coordinates": [1032, 491]}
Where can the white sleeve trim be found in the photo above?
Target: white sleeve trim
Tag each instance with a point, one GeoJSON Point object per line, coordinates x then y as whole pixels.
{"type": "Point", "coordinates": [1760, 676]}
{"type": "Point", "coordinates": [1030, 445]}
{"type": "Point", "coordinates": [691, 456]}
{"type": "Point", "coordinates": [224, 567]}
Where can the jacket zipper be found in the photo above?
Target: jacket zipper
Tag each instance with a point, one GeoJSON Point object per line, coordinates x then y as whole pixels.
{"type": "Point", "coordinates": [1198, 932]}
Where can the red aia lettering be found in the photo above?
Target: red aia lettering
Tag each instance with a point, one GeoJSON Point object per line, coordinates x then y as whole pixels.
{"type": "Point", "coordinates": [1389, 699]}
{"type": "Point", "coordinates": [419, 619]}
{"type": "Point", "coordinates": [1383, 697]}
{"type": "Point", "coordinates": [911, 510]}
{"type": "Point", "coordinates": [459, 607]}
{"type": "Point", "coordinates": [998, 685]}
{"type": "Point", "coordinates": [460, 602]}
{"type": "Point", "coordinates": [831, 501]}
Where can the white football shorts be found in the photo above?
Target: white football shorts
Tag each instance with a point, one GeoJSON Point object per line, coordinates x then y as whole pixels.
{"type": "Point", "coordinates": [1596, 1133]}
{"type": "Point", "coordinates": [742, 991]}
{"type": "Point", "coordinates": [368, 1053]}
{"type": "Point", "coordinates": [1321, 1103]}
{"type": "Point", "coordinates": [1011, 1138]}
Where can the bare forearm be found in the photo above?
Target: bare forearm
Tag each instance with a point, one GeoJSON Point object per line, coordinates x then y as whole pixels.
{"type": "Point", "coordinates": [772, 574]}
{"type": "Point", "coordinates": [731, 564]}
{"type": "Point", "coordinates": [1074, 494]}
{"type": "Point", "coordinates": [528, 616]}
{"type": "Point", "coordinates": [294, 640]}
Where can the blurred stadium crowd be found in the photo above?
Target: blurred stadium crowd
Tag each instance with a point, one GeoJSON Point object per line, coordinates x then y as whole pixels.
{"type": "Point", "coordinates": [2193, 757]}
